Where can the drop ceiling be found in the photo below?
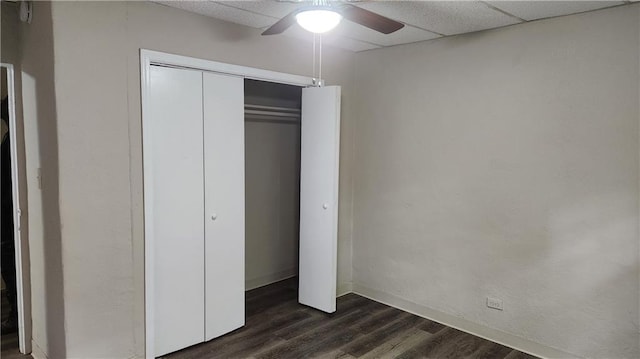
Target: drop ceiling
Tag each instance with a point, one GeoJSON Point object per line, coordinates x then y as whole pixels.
{"type": "Point", "coordinates": [424, 20]}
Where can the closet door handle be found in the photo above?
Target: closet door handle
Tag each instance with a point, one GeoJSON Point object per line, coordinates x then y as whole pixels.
{"type": "Point", "coordinates": [325, 206]}
{"type": "Point", "coordinates": [214, 216]}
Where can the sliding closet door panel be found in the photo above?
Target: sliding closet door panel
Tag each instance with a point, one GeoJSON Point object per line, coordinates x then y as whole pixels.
{"type": "Point", "coordinates": [320, 148]}
{"type": "Point", "coordinates": [174, 205]}
{"type": "Point", "coordinates": [224, 203]}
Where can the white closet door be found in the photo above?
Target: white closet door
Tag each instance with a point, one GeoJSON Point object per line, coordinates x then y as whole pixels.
{"type": "Point", "coordinates": [320, 149]}
{"type": "Point", "coordinates": [173, 185]}
{"type": "Point", "coordinates": [224, 202]}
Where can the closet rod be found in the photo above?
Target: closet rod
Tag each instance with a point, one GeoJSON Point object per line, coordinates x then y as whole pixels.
{"type": "Point", "coordinates": [271, 119]}
{"type": "Point", "coordinates": [271, 108]}
{"type": "Point", "coordinates": [272, 113]}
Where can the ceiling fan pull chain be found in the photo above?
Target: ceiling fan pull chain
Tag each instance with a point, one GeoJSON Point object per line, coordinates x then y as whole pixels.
{"type": "Point", "coordinates": [320, 82]}
{"type": "Point", "coordinates": [317, 60]}
{"type": "Point", "coordinates": [314, 57]}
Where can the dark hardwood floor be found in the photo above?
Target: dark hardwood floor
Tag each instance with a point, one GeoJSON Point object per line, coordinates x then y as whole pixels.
{"type": "Point", "coordinates": [9, 349]}
{"type": "Point", "coordinates": [278, 327]}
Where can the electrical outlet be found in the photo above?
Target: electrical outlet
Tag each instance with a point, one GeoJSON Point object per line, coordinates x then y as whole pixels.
{"type": "Point", "coordinates": [494, 303]}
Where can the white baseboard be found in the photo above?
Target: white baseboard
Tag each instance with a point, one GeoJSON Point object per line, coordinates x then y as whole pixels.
{"type": "Point", "coordinates": [36, 352]}
{"type": "Point", "coordinates": [344, 288]}
{"type": "Point", "coordinates": [494, 335]}
{"type": "Point", "coordinates": [258, 282]}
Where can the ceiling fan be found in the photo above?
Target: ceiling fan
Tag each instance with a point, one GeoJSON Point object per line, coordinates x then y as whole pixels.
{"type": "Point", "coordinates": [321, 16]}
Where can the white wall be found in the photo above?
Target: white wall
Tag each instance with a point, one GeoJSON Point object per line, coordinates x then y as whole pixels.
{"type": "Point", "coordinates": [41, 157]}
{"type": "Point", "coordinates": [100, 151]}
{"type": "Point", "coordinates": [272, 175]}
{"type": "Point", "coordinates": [505, 163]}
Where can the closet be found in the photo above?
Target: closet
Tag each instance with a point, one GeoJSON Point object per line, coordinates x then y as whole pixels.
{"type": "Point", "coordinates": [198, 126]}
{"type": "Point", "coordinates": [272, 181]}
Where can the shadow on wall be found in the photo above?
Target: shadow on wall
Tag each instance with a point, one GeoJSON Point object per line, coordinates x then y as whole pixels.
{"type": "Point", "coordinates": [41, 142]}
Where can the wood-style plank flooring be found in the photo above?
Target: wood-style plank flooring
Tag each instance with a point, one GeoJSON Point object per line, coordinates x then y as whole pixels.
{"type": "Point", "coordinates": [278, 327]}
{"type": "Point", "coordinates": [9, 349]}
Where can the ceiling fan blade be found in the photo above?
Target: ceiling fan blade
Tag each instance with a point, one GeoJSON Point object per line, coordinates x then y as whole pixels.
{"type": "Point", "coordinates": [281, 25]}
{"type": "Point", "coordinates": [370, 19]}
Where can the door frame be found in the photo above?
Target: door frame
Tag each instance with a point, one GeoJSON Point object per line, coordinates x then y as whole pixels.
{"type": "Point", "coordinates": [149, 58]}
{"type": "Point", "coordinates": [20, 241]}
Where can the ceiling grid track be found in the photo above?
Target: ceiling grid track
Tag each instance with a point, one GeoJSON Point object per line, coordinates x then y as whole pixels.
{"type": "Point", "coordinates": [502, 11]}
{"type": "Point", "coordinates": [241, 9]}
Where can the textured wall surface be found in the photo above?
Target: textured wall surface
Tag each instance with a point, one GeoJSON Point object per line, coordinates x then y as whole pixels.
{"type": "Point", "coordinates": [98, 96]}
{"type": "Point", "coordinates": [41, 165]}
{"type": "Point", "coordinates": [505, 163]}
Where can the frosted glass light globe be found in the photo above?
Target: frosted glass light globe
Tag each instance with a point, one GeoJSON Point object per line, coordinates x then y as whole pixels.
{"type": "Point", "coordinates": [318, 21]}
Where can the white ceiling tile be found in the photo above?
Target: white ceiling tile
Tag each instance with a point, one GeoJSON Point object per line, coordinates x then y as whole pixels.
{"type": "Point", "coordinates": [405, 35]}
{"type": "Point", "coordinates": [223, 12]}
{"type": "Point", "coordinates": [533, 10]}
{"type": "Point", "coordinates": [331, 39]}
{"type": "Point", "coordinates": [350, 44]}
{"type": "Point", "coordinates": [443, 17]}
{"type": "Point", "coordinates": [276, 9]}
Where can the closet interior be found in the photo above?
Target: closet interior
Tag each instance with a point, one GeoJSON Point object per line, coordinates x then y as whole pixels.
{"type": "Point", "coordinates": [272, 181]}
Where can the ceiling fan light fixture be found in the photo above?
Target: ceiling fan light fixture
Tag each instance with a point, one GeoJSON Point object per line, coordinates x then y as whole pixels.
{"type": "Point", "coordinates": [318, 20]}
